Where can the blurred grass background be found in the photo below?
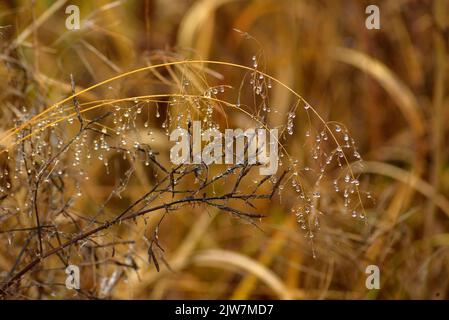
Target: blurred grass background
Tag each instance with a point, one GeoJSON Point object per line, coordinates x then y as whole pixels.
{"type": "Point", "coordinates": [389, 87]}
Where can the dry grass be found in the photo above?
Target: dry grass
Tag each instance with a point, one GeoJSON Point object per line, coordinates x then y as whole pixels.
{"type": "Point", "coordinates": [78, 156]}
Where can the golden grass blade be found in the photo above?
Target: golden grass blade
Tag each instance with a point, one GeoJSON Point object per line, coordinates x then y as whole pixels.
{"type": "Point", "coordinates": [248, 283]}
{"type": "Point", "coordinates": [399, 92]}
{"type": "Point", "coordinates": [229, 259]}
{"type": "Point", "coordinates": [410, 179]}
{"type": "Point", "coordinates": [196, 28]}
{"type": "Point", "coordinates": [39, 21]}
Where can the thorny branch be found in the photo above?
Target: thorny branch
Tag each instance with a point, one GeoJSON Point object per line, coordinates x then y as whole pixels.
{"type": "Point", "coordinates": [165, 185]}
{"type": "Point", "coordinates": [46, 163]}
